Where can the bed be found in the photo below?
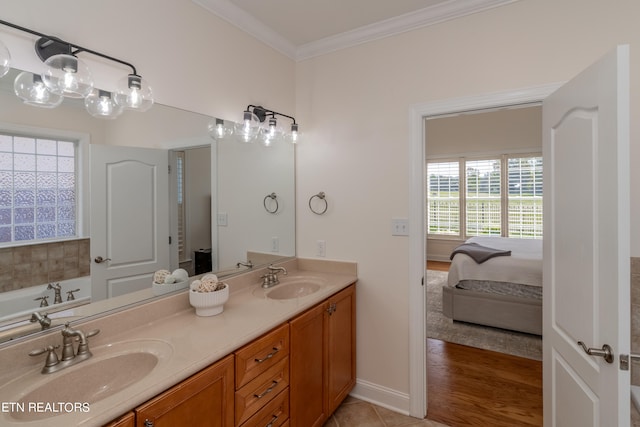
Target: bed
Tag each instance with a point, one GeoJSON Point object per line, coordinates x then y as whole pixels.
{"type": "Point", "coordinates": [503, 291]}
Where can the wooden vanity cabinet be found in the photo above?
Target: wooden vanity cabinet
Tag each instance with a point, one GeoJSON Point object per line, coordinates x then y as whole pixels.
{"type": "Point", "coordinates": [262, 380]}
{"type": "Point", "coordinates": [203, 400]}
{"type": "Point", "coordinates": [126, 420]}
{"type": "Point", "coordinates": [297, 374]}
{"type": "Point", "coordinates": [323, 358]}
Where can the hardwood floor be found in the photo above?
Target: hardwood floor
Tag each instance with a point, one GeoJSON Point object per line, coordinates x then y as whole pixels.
{"type": "Point", "coordinates": [473, 387]}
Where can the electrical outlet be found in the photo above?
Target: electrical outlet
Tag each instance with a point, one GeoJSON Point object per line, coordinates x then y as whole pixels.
{"type": "Point", "coordinates": [321, 248]}
{"type": "Point", "coordinates": [275, 244]}
{"type": "Point", "coordinates": [399, 227]}
{"type": "Point", "coordinates": [222, 219]}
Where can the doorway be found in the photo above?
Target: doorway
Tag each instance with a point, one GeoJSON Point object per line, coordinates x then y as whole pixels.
{"type": "Point", "coordinates": [417, 243]}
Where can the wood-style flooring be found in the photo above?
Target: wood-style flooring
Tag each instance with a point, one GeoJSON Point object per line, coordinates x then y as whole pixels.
{"type": "Point", "coordinates": [473, 387]}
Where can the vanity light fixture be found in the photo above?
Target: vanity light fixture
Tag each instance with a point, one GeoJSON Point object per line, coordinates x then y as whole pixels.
{"type": "Point", "coordinates": [256, 126]}
{"type": "Point", "coordinates": [31, 89]}
{"type": "Point", "coordinates": [67, 75]}
{"type": "Point", "coordinates": [218, 129]}
{"type": "Point", "coordinates": [101, 104]}
{"type": "Point", "coordinates": [5, 60]}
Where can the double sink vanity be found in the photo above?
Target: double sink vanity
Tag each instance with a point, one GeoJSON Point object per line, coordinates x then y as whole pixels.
{"type": "Point", "coordinates": [282, 356]}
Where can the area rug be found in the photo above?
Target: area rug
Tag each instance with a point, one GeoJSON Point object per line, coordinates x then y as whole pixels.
{"type": "Point", "coordinates": [442, 328]}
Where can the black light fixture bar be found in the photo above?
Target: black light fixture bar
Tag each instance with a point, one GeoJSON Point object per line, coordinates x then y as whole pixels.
{"type": "Point", "coordinates": [48, 46]}
{"type": "Point", "coordinates": [262, 113]}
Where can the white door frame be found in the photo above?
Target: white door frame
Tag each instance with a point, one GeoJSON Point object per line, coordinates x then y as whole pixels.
{"type": "Point", "coordinates": [417, 237]}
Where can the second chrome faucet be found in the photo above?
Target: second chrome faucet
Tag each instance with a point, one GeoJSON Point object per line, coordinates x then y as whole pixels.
{"type": "Point", "coordinates": [271, 278]}
{"type": "Point", "coordinates": [70, 356]}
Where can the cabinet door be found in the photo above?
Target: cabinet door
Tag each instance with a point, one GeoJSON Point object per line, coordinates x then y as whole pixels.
{"type": "Point", "coordinates": [127, 420]}
{"type": "Point", "coordinates": [203, 400]}
{"type": "Point", "coordinates": [341, 346]}
{"type": "Point", "coordinates": [307, 359]}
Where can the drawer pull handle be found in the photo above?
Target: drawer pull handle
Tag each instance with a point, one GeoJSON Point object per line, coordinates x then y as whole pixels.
{"type": "Point", "coordinates": [273, 420]}
{"type": "Point", "coordinates": [268, 356]}
{"type": "Point", "coordinates": [274, 384]}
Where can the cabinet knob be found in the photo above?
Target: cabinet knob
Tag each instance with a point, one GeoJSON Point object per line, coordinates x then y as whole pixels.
{"type": "Point", "coordinates": [148, 423]}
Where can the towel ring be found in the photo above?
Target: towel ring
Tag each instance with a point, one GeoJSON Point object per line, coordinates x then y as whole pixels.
{"type": "Point", "coordinates": [273, 197]}
{"type": "Point", "coordinates": [320, 196]}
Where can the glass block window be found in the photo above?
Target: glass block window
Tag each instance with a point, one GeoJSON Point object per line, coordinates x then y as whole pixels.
{"type": "Point", "coordinates": [38, 188]}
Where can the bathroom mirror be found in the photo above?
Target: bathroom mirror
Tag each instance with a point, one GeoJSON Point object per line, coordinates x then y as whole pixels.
{"type": "Point", "coordinates": [230, 200]}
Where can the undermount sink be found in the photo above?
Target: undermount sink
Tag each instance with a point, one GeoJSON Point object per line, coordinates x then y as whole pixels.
{"type": "Point", "coordinates": [292, 287]}
{"type": "Point", "coordinates": [112, 369]}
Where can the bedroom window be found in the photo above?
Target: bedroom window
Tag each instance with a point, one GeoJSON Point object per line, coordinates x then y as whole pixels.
{"type": "Point", "coordinates": [38, 189]}
{"type": "Point", "coordinates": [501, 196]}
{"type": "Point", "coordinates": [483, 197]}
{"type": "Point", "coordinates": [443, 188]}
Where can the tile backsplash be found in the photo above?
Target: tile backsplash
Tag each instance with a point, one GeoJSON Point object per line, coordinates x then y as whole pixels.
{"type": "Point", "coordinates": [32, 265]}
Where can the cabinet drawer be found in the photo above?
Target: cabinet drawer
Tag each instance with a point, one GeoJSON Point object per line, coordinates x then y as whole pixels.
{"type": "Point", "coordinates": [273, 414]}
{"type": "Point", "coordinates": [260, 390]}
{"type": "Point", "coordinates": [260, 355]}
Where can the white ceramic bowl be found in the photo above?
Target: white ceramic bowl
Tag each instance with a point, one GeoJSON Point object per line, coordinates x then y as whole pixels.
{"type": "Point", "coordinates": [209, 303]}
{"type": "Point", "coordinates": [165, 288]}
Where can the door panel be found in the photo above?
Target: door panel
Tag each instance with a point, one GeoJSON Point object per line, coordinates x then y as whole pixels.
{"type": "Point", "coordinates": [586, 245]}
{"type": "Point", "coordinates": [129, 218]}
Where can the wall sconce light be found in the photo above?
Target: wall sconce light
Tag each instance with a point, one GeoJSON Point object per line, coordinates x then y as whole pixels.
{"type": "Point", "coordinates": [255, 126]}
{"type": "Point", "coordinates": [5, 60]}
{"type": "Point", "coordinates": [218, 129]}
{"type": "Point", "coordinates": [66, 75]}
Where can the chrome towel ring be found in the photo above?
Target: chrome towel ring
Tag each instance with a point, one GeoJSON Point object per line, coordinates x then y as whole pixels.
{"type": "Point", "coordinates": [273, 197]}
{"type": "Point", "coordinates": [322, 198]}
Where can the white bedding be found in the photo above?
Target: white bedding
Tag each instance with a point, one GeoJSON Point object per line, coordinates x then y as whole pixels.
{"type": "Point", "coordinates": [524, 266]}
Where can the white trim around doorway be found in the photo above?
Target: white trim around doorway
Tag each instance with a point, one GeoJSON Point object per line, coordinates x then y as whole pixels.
{"type": "Point", "coordinates": [417, 241]}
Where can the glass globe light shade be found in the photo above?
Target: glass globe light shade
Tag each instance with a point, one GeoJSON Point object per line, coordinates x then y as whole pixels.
{"type": "Point", "coordinates": [68, 76]}
{"type": "Point", "coordinates": [100, 104]}
{"type": "Point", "coordinates": [31, 89]}
{"type": "Point", "coordinates": [5, 60]}
{"type": "Point", "coordinates": [295, 135]}
{"type": "Point", "coordinates": [248, 129]}
{"type": "Point", "coordinates": [133, 93]}
{"type": "Point", "coordinates": [270, 132]}
{"type": "Point", "coordinates": [218, 129]}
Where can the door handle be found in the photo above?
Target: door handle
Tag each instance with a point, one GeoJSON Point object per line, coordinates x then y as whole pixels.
{"type": "Point", "coordinates": [605, 352]}
{"type": "Point", "coordinates": [100, 260]}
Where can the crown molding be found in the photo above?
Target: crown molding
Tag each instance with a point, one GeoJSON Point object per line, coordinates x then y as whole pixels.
{"type": "Point", "coordinates": [249, 24]}
{"type": "Point", "coordinates": [410, 21]}
{"type": "Point", "coordinates": [446, 11]}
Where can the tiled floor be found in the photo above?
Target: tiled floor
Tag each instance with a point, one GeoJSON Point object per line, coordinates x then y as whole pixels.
{"type": "Point", "coordinates": [357, 413]}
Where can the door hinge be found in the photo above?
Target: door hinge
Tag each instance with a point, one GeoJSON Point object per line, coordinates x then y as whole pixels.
{"type": "Point", "coordinates": [169, 169]}
{"type": "Point", "coordinates": [625, 358]}
{"type": "Point", "coordinates": [169, 239]}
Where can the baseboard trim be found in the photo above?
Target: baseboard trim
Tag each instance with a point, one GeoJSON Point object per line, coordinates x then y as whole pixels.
{"type": "Point", "coordinates": [381, 396]}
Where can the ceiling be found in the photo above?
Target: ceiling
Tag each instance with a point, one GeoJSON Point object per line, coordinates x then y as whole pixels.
{"type": "Point", "coordinates": [303, 29]}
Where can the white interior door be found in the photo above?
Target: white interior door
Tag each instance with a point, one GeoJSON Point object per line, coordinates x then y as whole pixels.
{"type": "Point", "coordinates": [129, 218]}
{"type": "Point", "coordinates": [586, 246]}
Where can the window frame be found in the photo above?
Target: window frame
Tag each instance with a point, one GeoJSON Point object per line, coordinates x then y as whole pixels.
{"type": "Point", "coordinates": [503, 157]}
{"type": "Point", "coordinates": [83, 208]}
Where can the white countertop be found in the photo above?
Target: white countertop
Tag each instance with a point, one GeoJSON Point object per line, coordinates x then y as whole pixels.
{"type": "Point", "coordinates": [195, 342]}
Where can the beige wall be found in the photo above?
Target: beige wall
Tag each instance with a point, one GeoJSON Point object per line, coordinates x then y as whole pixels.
{"type": "Point", "coordinates": [485, 133]}
{"type": "Point", "coordinates": [355, 106]}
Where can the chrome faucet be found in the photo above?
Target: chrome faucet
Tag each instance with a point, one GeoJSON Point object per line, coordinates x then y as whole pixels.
{"type": "Point", "coordinates": [56, 288]}
{"type": "Point", "coordinates": [247, 264]}
{"type": "Point", "coordinates": [69, 356]}
{"type": "Point", "coordinates": [271, 278]}
{"type": "Point", "coordinates": [44, 321]}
